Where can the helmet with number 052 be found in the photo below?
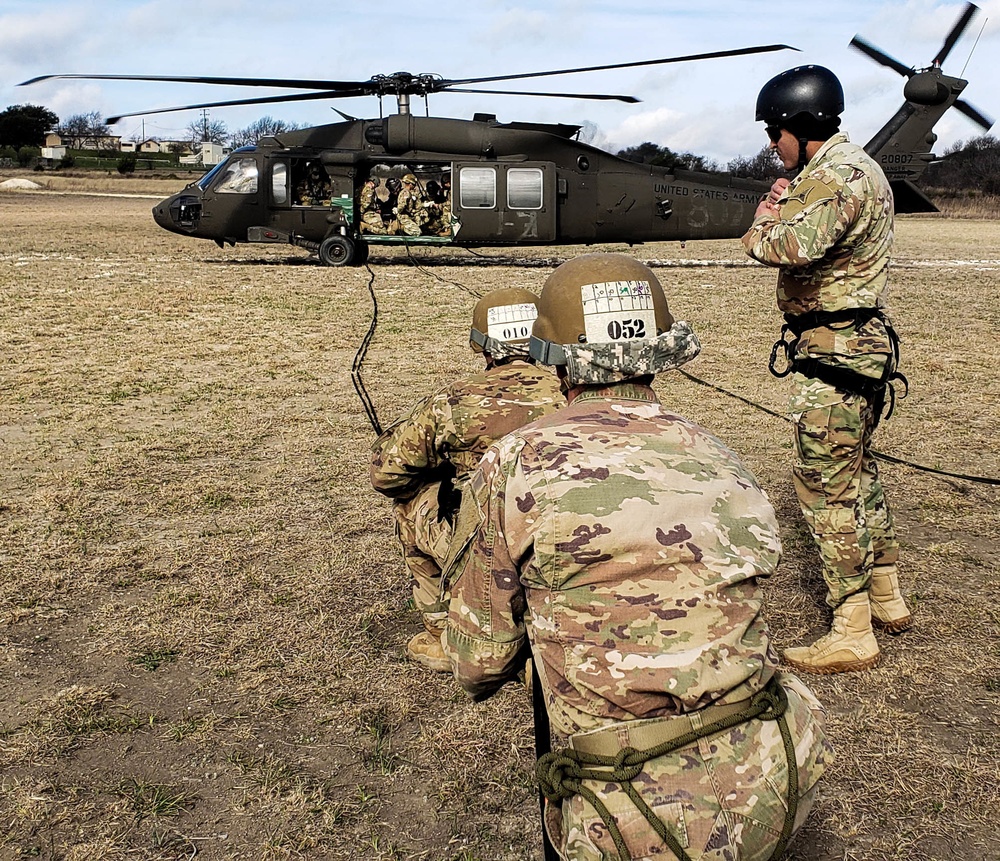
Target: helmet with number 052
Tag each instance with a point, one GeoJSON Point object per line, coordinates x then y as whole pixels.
{"type": "Point", "coordinates": [604, 318]}
{"type": "Point", "coordinates": [501, 323]}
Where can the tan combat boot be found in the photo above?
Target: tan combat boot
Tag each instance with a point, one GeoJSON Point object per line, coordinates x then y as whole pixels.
{"type": "Point", "coordinates": [889, 610]}
{"type": "Point", "coordinates": [849, 646]}
{"type": "Point", "coordinates": [425, 648]}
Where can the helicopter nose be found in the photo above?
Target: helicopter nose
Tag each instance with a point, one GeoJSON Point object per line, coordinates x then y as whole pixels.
{"type": "Point", "coordinates": [179, 213]}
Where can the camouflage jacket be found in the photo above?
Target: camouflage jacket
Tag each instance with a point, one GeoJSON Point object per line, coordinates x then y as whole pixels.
{"type": "Point", "coordinates": [369, 201]}
{"type": "Point", "coordinates": [411, 203]}
{"type": "Point", "coordinates": [625, 543]}
{"type": "Point", "coordinates": [452, 428]}
{"type": "Point", "coordinates": [832, 241]}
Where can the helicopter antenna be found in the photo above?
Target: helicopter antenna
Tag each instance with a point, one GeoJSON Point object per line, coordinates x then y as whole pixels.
{"type": "Point", "coordinates": [973, 49]}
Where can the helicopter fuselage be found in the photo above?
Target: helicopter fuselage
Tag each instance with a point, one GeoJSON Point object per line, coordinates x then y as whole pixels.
{"type": "Point", "coordinates": [511, 184]}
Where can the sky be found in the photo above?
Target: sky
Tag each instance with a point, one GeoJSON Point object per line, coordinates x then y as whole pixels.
{"type": "Point", "coordinates": [705, 107]}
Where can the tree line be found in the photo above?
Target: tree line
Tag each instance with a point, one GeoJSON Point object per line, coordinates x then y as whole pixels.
{"type": "Point", "coordinates": [972, 165]}
{"type": "Point", "coordinates": [27, 125]}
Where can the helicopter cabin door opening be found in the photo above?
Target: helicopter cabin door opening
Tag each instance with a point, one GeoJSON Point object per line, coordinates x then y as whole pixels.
{"type": "Point", "coordinates": [308, 198]}
{"type": "Point", "coordinates": [500, 202]}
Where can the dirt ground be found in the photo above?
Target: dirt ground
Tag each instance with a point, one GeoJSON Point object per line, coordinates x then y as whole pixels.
{"type": "Point", "coordinates": [203, 610]}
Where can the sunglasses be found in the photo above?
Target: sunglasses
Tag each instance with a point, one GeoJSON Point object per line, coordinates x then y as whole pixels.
{"type": "Point", "coordinates": [773, 132]}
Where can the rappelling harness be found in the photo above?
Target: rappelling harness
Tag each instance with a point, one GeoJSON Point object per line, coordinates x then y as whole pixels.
{"type": "Point", "coordinates": [875, 390]}
{"type": "Point", "coordinates": [617, 754]}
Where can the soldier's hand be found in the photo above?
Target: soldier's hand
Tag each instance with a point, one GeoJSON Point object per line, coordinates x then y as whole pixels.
{"type": "Point", "coordinates": [777, 189]}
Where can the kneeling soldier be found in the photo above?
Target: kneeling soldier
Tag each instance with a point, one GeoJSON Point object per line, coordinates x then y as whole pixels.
{"type": "Point", "coordinates": [619, 545]}
{"type": "Point", "coordinates": [424, 460]}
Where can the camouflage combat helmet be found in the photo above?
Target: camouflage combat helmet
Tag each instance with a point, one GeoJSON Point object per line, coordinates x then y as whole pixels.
{"type": "Point", "coordinates": [604, 318]}
{"type": "Point", "coordinates": [501, 323]}
{"type": "Point", "coordinates": [810, 90]}
{"type": "Point", "coordinates": [410, 178]}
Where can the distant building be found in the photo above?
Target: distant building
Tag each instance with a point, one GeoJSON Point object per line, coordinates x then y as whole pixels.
{"type": "Point", "coordinates": [114, 143]}
{"type": "Point", "coordinates": [211, 154]}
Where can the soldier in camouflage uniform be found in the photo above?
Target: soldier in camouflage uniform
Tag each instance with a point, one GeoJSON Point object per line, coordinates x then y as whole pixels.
{"type": "Point", "coordinates": [371, 211]}
{"type": "Point", "coordinates": [621, 545]}
{"type": "Point", "coordinates": [829, 232]}
{"type": "Point", "coordinates": [424, 460]}
{"type": "Point", "coordinates": [410, 210]}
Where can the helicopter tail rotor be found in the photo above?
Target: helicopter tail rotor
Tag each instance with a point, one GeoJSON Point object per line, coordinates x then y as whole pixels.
{"type": "Point", "coordinates": [925, 85]}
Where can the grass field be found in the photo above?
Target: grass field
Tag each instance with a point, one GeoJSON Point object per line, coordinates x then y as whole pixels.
{"type": "Point", "coordinates": [202, 606]}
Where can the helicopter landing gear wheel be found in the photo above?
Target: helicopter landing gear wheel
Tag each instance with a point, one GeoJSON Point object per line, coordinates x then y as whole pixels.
{"type": "Point", "coordinates": [336, 250]}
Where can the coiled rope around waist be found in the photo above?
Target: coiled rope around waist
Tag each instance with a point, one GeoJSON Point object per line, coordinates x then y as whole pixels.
{"type": "Point", "coordinates": [561, 774]}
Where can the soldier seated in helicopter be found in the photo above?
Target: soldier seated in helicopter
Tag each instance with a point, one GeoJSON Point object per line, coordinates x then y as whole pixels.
{"type": "Point", "coordinates": [314, 188]}
{"type": "Point", "coordinates": [371, 219]}
{"type": "Point", "coordinates": [435, 223]}
{"type": "Point", "coordinates": [410, 211]}
{"type": "Point", "coordinates": [387, 207]}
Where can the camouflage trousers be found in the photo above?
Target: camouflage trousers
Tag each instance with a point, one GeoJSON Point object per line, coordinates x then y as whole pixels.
{"type": "Point", "coordinates": [407, 225]}
{"type": "Point", "coordinates": [723, 797]}
{"type": "Point", "coordinates": [371, 222]}
{"type": "Point", "coordinates": [838, 486]}
{"type": "Point", "coordinates": [425, 538]}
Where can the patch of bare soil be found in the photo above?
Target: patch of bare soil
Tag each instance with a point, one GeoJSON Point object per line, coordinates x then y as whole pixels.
{"type": "Point", "coordinates": [203, 611]}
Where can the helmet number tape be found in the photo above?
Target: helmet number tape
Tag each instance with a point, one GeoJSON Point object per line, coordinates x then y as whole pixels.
{"type": "Point", "coordinates": [618, 311]}
{"type": "Point", "coordinates": [510, 322]}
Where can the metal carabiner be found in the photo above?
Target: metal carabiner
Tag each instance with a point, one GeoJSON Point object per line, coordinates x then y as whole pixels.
{"type": "Point", "coordinates": [789, 350]}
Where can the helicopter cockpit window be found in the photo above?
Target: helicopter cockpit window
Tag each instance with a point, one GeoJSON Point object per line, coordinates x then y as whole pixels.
{"type": "Point", "coordinates": [479, 188]}
{"type": "Point", "coordinates": [239, 177]}
{"type": "Point", "coordinates": [279, 183]}
{"type": "Point", "coordinates": [524, 188]}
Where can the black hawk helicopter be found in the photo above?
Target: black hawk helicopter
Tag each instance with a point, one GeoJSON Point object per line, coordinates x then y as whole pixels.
{"type": "Point", "coordinates": [338, 189]}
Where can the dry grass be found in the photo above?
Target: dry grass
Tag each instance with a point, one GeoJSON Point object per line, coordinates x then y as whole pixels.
{"type": "Point", "coordinates": [968, 204]}
{"type": "Point", "coordinates": [203, 612]}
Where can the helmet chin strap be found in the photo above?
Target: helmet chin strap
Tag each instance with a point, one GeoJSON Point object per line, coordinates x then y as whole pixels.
{"type": "Point", "coordinates": [803, 143]}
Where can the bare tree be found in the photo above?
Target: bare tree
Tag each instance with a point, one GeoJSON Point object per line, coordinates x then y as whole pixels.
{"type": "Point", "coordinates": [214, 131]}
{"type": "Point", "coordinates": [970, 166]}
{"type": "Point", "coordinates": [264, 127]}
{"type": "Point", "coordinates": [80, 128]}
{"type": "Point", "coordinates": [764, 165]}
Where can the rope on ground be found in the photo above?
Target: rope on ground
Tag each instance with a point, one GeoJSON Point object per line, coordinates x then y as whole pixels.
{"type": "Point", "coordinates": [880, 455]}
{"type": "Point", "coordinates": [359, 358]}
{"type": "Point", "coordinates": [427, 271]}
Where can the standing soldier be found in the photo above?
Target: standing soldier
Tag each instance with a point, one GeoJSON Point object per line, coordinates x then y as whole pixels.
{"type": "Point", "coordinates": [829, 233]}
{"type": "Point", "coordinates": [410, 211]}
{"type": "Point", "coordinates": [622, 545]}
{"type": "Point", "coordinates": [424, 460]}
{"type": "Point", "coordinates": [371, 212]}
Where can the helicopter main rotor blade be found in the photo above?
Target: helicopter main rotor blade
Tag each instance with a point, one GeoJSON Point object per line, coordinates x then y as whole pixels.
{"type": "Point", "coordinates": [974, 115]}
{"type": "Point", "coordinates": [632, 100]}
{"type": "Point", "coordinates": [708, 56]}
{"type": "Point", "coordinates": [267, 100]}
{"type": "Point", "coordinates": [956, 32]}
{"type": "Point", "coordinates": [300, 84]}
{"type": "Point", "coordinates": [881, 57]}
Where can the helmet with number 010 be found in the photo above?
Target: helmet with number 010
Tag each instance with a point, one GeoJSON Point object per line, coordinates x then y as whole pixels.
{"type": "Point", "coordinates": [501, 322]}
{"type": "Point", "coordinates": [604, 317]}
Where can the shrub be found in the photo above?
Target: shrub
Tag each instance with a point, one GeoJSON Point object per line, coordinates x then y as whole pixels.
{"type": "Point", "coordinates": [126, 164]}
{"type": "Point", "coordinates": [67, 161]}
{"type": "Point", "coordinates": [26, 153]}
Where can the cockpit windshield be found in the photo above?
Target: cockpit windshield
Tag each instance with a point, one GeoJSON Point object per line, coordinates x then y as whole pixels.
{"type": "Point", "coordinates": [209, 178]}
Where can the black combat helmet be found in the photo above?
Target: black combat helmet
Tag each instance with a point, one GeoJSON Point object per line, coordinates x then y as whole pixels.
{"type": "Point", "coordinates": [810, 90]}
